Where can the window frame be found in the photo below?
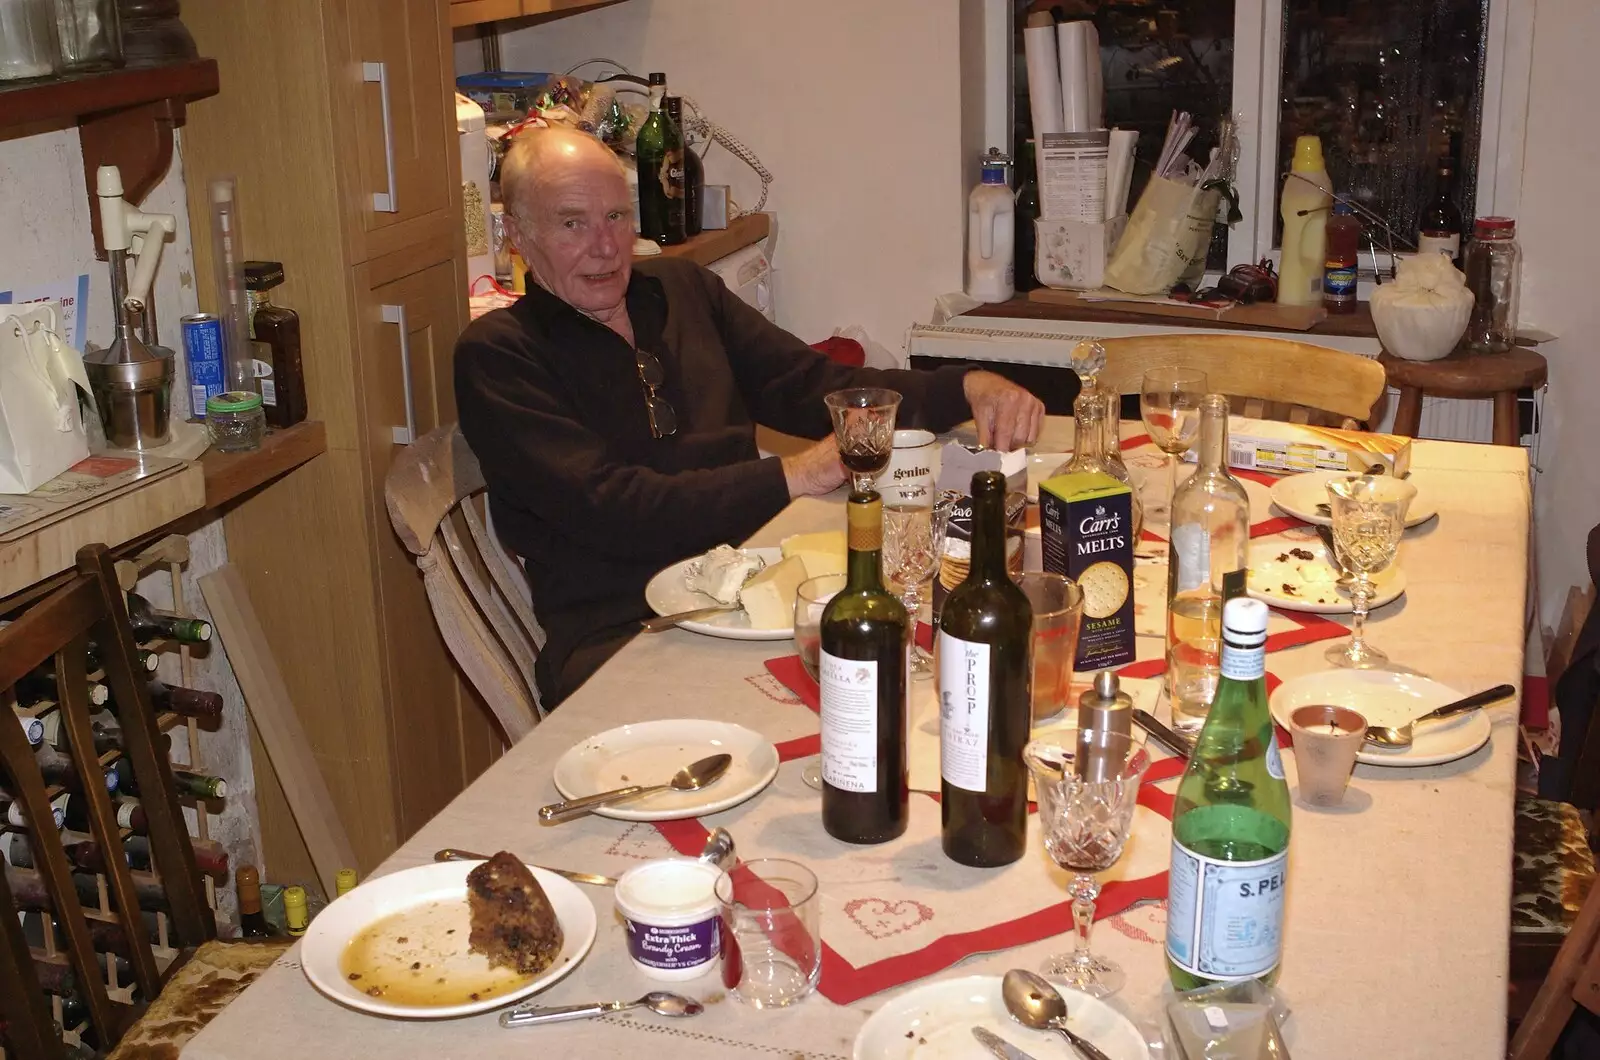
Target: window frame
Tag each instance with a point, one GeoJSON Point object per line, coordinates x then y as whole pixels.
{"type": "Point", "coordinates": [1258, 62]}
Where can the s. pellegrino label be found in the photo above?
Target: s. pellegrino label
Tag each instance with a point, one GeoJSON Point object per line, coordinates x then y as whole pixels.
{"type": "Point", "coordinates": [1230, 825]}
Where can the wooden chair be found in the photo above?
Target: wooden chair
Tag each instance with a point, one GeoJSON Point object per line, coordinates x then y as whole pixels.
{"type": "Point", "coordinates": [1573, 980]}
{"type": "Point", "coordinates": [1258, 369]}
{"type": "Point", "coordinates": [482, 612]}
{"type": "Point", "coordinates": [90, 606]}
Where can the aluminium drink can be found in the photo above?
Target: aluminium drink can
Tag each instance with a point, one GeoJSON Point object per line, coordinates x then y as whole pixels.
{"type": "Point", "coordinates": [207, 364]}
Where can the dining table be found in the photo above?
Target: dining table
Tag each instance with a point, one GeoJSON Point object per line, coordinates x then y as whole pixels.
{"type": "Point", "coordinates": [1396, 934]}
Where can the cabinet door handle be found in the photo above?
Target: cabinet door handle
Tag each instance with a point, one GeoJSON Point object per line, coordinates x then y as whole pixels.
{"type": "Point", "coordinates": [396, 314]}
{"type": "Point", "coordinates": [384, 201]}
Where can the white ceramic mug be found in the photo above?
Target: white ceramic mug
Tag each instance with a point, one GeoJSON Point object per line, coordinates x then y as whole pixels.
{"type": "Point", "coordinates": [913, 468]}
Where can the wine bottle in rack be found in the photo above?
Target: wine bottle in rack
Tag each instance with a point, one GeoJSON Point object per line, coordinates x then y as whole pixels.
{"type": "Point", "coordinates": [40, 687]}
{"type": "Point", "coordinates": [150, 624]}
{"type": "Point", "coordinates": [186, 702]}
{"type": "Point", "coordinates": [252, 921]}
{"type": "Point", "coordinates": [130, 816]}
{"type": "Point", "coordinates": [12, 815]}
{"type": "Point", "coordinates": [196, 785]}
{"type": "Point", "coordinates": [143, 660]}
{"type": "Point", "coordinates": [57, 768]}
{"type": "Point", "coordinates": [84, 854]}
{"type": "Point", "coordinates": [209, 857]}
{"type": "Point", "coordinates": [33, 729]}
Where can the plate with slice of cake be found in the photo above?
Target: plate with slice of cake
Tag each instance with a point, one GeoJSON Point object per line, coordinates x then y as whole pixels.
{"type": "Point", "coordinates": [448, 939]}
{"type": "Point", "coordinates": [755, 586]}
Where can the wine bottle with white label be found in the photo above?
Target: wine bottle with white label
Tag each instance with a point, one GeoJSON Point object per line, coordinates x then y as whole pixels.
{"type": "Point", "coordinates": [1230, 825]}
{"type": "Point", "coordinates": [985, 695]}
{"type": "Point", "coordinates": [864, 677]}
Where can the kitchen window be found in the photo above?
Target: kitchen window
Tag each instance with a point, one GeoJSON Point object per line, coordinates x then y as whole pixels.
{"type": "Point", "coordinates": [1392, 87]}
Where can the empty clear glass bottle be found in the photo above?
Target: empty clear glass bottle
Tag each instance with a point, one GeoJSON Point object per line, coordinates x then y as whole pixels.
{"type": "Point", "coordinates": [1494, 274]}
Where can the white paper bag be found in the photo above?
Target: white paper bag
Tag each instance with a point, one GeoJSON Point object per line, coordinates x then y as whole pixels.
{"type": "Point", "coordinates": [41, 429]}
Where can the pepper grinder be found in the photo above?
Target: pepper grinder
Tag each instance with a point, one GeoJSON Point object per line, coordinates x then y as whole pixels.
{"type": "Point", "coordinates": [1105, 708]}
{"type": "Point", "coordinates": [132, 381]}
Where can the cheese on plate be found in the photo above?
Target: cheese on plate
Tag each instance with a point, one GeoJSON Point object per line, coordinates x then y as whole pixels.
{"type": "Point", "coordinates": [768, 597]}
{"type": "Point", "coordinates": [822, 553]}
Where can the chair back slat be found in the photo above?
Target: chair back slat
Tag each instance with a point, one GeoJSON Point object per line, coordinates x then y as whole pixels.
{"type": "Point", "coordinates": [60, 626]}
{"type": "Point", "coordinates": [30, 1031]}
{"type": "Point", "coordinates": [510, 582]}
{"type": "Point", "coordinates": [170, 850]}
{"type": "Point", "coordinates": [486, 622]}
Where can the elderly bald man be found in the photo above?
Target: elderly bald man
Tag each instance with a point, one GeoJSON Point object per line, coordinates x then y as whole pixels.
{"type": "Point", "coordinates": [613, 408]}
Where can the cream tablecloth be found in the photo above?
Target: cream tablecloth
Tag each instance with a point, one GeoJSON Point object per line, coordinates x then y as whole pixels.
{"type": "Point", "coordinates": [1398, 903]}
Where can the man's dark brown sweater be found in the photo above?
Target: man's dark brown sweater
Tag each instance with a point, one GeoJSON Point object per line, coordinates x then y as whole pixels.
{"type": "Point", "coordinates": [550, 401]}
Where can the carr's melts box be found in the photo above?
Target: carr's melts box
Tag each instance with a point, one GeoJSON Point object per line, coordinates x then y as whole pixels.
{"type": "Point", "coordinates": [1086, 526]}
{"type": "Point", "coordinates": [1266, 445]}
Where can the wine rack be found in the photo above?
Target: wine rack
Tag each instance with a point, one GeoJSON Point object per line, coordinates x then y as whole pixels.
{"type": "Point", "coordinates": [51, 962]}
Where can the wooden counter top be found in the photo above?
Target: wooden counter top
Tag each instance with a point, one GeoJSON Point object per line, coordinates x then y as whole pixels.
{"type": "Point", "coordinates": [230, 475]}
{"type": "Point", "coordinates": [712, 245]}
{"type": "Point", "coordinates": [1357, 324]}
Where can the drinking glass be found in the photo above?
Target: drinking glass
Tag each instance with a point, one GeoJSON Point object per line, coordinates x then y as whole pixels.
{"type": "Point", "coordinates": [913, 538]}
{"type": "Point", "coordinates": [1087, 782]}
{"type": "Point", "coordinates": [863, 425]}
{"type": "Point", "coordinates": [1169, 405]}
{"type": "Point", "coordinates": [810, 599]}
{"type": "Point", "coordinates": [1057, 613]}
{"type": "Point", "coordinates": [1369, 515]}
{"type": "Point", "coordinates": [771, 945]}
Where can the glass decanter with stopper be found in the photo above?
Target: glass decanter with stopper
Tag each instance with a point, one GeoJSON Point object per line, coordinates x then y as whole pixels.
{"type": "Point", "coordinates": [1097, 443]}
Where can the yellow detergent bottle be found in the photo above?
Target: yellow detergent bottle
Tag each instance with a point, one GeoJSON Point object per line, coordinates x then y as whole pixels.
{"type": "Point", "coordinates": [1304, 233]}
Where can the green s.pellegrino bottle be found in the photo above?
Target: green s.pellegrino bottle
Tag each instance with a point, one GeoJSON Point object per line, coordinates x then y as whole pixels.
{"type": "Point", "coordinates": [1230, 825]}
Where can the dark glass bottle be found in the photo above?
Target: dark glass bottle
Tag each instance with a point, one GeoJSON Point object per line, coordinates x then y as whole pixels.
{"type": "Point", "coordinates": [276, 332]}
{"type": "Point", "coordinates": [58, 768]}
{"type": "Point", "coordinates": [1439, 230]}
{"type": "Point", "coordinates": [1026, 213]}
{"type": "Point", "coordinates": [694, 170]}
{"type": "Point", "coordinates": [252, 921]}
{"type": "Point", "coordinates": [130, 815]}
{"type": "Point", "coordinates": [985, 695]}
{"type": "Point", "coordinates": [863, 668]}
{"type": "Point", "coordinates": [659, 154]}
{"type": "Point", "coordinates": [176, 699]}
{"type": "Point", "coordinates": [40, 687]}
{"type": "Point", "coordinates": [148, 623]}
{"type": "Point", "coordinates": [197, 785]}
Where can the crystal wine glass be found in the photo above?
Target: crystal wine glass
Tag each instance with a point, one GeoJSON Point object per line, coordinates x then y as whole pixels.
{"type": "Point", "coordinates": [1169, 405]}
{"type": "Point", "coordinates": [1088, 784]}
{"type": "Point", "coordinates": [1369, 515]}
{"type": "Point", "coordinates": [913, 538]}
{"type": "Point", "coordinates": [863, 425]}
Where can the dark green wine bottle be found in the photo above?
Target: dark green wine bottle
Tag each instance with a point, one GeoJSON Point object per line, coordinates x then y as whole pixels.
{"type": "Point", "coordinates": [985, 695]}
{"type": "Point", "coordinates": [148, 624]}
{"type": "Point", "coordinates": [694, 170]}
{"type": "Point", "coordinates": [659, 154]}
{"type": "Point", "coordinates": [864, 670]}
{"type": "Point", "coordinates": [1230, 825]}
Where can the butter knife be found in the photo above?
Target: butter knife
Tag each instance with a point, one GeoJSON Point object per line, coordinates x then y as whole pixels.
{"type": "Point", "coordinates": [998, 1045]}
{"type": "Point", "coordinates": [591, 878]}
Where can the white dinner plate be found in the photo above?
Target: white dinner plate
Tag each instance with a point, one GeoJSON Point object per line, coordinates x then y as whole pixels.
{"type": "Point", "coordinates": [1297, 576]}
{"type": "Point", "coordinates": [437, 938]}
{"type": "Point", "coordinates": [668, 595]}
{"type": "Point", "coordinates": [1384, 697]}
{"type": "Point", "coordinates": [935, 1021]}
{"type": "Point", "coordinates": [1300, 494]}
{"type": "Point", "coordinates": [650, 752]}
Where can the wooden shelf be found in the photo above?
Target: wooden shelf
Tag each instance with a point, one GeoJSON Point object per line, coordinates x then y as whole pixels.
{"type": "Point", "coordinates": [125, 119]}
{"type": "Point", "coordinates": [711, 246]}
{"type": "Point", "coordinates": [1357, 324]}
{"type": "Point", "coordinates": [231, 475]}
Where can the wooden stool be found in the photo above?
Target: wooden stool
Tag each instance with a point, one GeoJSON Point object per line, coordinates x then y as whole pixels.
{"type": "Point", "coordinates": [1466, 375]}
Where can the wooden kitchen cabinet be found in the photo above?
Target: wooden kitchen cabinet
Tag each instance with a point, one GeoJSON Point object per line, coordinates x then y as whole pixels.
{"type": "Point", "coordinates": [395, 729]}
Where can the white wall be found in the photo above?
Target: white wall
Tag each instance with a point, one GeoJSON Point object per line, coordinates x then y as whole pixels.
{"type": "Point", "coordinates": [1559, 231]}
{"type": "Point", "coordinates": [44, 229]}
{"type": "Point", "coordinates": [854, 107]}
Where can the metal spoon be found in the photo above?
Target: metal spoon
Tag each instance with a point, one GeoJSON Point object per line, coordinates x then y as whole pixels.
{"type": "Point", "coordinates": [1034, 1003]}
{"type": "Point", "coordinates": [692, 777]}
{"type": "Point", "coordinates": [661, 1002]}
{"type": "Point", "coordinates": [664, 622]}
{"type": "Point", "coordinates": [1399, 737]}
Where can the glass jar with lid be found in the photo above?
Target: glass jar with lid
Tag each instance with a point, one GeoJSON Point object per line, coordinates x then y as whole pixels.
{"type": "Point", "coordinates": [1493, 264]}
{"type": "Point", "coordinates": [90, 32]}
{"type": "Point", "coordinates": [236, 421]}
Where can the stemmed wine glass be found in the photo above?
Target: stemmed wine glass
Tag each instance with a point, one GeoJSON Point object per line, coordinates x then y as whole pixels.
{"type": "Point", "coordinates": [1088, 783]}
{"type": "Point", "coordinates": [914, 525]}
{"type": "Point", "coordinates": [1169, 405]}
{"type": "Point", "coordinates": [863, 425]}
{"type": "Point", "coordinates": [1369, 515]}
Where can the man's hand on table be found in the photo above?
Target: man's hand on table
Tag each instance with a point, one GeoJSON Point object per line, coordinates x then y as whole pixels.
{"type": "Point", "coordinates": [815, 470]}
{"type": "Point", "coordinates": [1007, 416]}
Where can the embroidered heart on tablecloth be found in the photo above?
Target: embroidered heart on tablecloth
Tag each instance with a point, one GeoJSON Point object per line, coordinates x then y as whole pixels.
{"type": "Point", "coordinates": [881, 918]}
